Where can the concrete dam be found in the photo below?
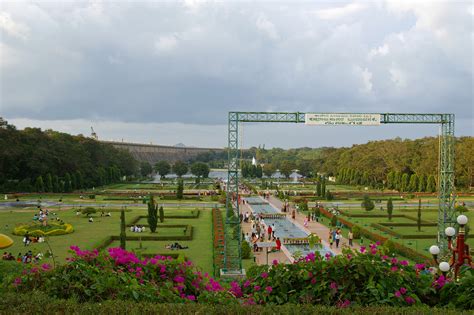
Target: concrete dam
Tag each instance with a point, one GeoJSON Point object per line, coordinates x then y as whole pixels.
{"type": "Point", "coordinates": [153, 153]}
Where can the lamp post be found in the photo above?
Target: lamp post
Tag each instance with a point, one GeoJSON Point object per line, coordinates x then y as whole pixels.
{"type": "Point", "coordinates": [460, 252]}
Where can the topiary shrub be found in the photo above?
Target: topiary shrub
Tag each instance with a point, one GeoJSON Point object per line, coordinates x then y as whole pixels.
{"type": "Point", "coordinates": [246, 250]}
{"type": "Point", "coordinates": [37, 229]}
{"type": "Point", "coordinates": [334, 221]}
{"type": "Point", "coordinates": [88, 211]}
{"type": "Point", "coordinates": [356, 231]}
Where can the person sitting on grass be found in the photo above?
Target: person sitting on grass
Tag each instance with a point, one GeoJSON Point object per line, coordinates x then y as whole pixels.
{"type": "Point", "coordinates": [91, 220]}
{"type": "Point", "coordinates": [176, 245]}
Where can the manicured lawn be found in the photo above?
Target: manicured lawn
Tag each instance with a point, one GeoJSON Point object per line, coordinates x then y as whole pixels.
{"type": "Point", "coordinates": [88, 235]}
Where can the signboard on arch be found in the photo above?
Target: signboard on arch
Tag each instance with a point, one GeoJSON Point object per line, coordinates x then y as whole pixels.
{"type": "Point", "coordinates": [329, 119]}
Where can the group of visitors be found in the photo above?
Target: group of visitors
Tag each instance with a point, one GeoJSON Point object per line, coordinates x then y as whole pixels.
{"type": "Point", "coordinates": [335, 236]}
{"type": "Point", "coordinates": [28, 257]}
{"type": "Point", "coordinates": [27, 240]}
{"type": "Point", "coordinates": [247, 217]}
{"type": "Point", "coordinates": [137, 228]}
{"type": "Point", "coordinates": [176, 245]}
{"type": "Point", "coordinates": [260, 231]}
{"type": "Point", "coordinates": [8, 256]}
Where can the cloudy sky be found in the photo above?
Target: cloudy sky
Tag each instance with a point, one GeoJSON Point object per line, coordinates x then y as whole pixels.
{"type": "Point", "coordinates": [169, 72]}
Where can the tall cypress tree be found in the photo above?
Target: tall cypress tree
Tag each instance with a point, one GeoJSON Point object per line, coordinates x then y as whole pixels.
{"type": "Point", "coordinates": [162, 215]}
{"type": "Point", "coordinates": [49, 183]}
{"type": "Point", "coordinates": [123, 235]}
{"type": "Point", "coordinates": [323, 186]}
{"type": "Point", "coordinates": [152, 214]}
{"type": "Point", "coordinates": [389, 208]}
{"type": "Point", "coordinates": [67, 183]}
{"type": "Point", "coordinates": [418, 221]}
{"type": "Point", "coordinates": [318, 187]}
{"type": "Point", "coordinates": [179, 191]}
{"type": "Point", "coordinates": [39, 184]}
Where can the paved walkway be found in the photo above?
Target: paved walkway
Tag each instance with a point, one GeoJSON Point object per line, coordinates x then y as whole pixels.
{"type": "Point", "coordinates": [313, 227]}
{"type": "Point", "coordinates": [260, 257]}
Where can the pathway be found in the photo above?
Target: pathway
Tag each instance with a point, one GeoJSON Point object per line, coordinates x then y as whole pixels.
{"type": "Point", "coordinates": [313, 227]}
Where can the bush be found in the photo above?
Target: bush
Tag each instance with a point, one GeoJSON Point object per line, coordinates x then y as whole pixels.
{"type": "Point", "coordinates": [367, 204]}
{"type": "Point", "coordinates": [356, 231]}
{"type": "Point", "coordinates": [88, 211]}
{"type": "Point", "coordinates": [334, 221]}
{"type": "Point", "coordinates": [246, 250]}
{"type": "Point", "coordinates": [37, 229]}
{"type": "Point", "coordinates": [389, 247]}
{"type": "Point", "coordinates": [91, 196]}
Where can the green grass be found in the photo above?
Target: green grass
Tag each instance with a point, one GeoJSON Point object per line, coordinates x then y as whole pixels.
{"type": "Point", "coordinates": [87, 235]}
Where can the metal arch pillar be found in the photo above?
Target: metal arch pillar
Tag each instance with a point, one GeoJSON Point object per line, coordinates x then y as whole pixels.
{"type": "Point", "coordinates": [232, 252]}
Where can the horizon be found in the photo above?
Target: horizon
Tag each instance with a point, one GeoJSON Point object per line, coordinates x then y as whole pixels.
{"type": "Point", "coordinates": [169, 72]}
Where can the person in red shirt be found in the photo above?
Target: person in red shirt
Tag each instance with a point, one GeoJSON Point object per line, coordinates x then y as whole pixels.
{"type": "Point", "coordinates": [278, 243]}
{"type": "Point", "coordinates": [269, 230]}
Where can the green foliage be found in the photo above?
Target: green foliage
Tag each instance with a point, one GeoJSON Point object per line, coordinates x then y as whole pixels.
{"type": "Point", "coordinates": [246, 250]}
{"type": "Point", "coordinates": [389, 247]}
{"type": "Point", "coordinates": [162, 214]}
{"type": "Point", "coordinates": [329, 195]}
{"type": "Point", "coordinates": [367, 203]}
{"type": "Point", "coordinates": [145, 169]}
{"type": "Point", "coordinates": [390, 209]}
{"type": "Point", "coordinates": [318, 188]}
{"type": "Point", "coordinates": [38, 229]}
{"type": "Point", "coordinates": [180, 168]}
{"type": "Point", "coordinates": [152, 214]}
{"type": "Point", "coordinates": [356, 231]}
{"type": "Point", "coordinates": [334, 221]}
{"type": "Point", "coordinates": [67, 183]}
{"type": "Point", "coordinates": [303, 205]}
{"type": "Point", "coordinates": [418, 221]}
{"type": "Point", "coordinates": [461, 209]}
{"type": "Point", "coordinates": [49, 183]}
{"type": "Point", "coordinates": [163, 168]}
{"type": "Point", "coordinates": [431, 184]}
{"type": "Point", "coordinates": [180, 189]}
{"type": "Point", "coordinates": [200, 170]}
{"type": "Point", "coordinates": [268, 169]}
{"type": "Point", "coordinates": [39, 184]}
{"type": "Point", "coordinates": [287, 167]}
{"type": "Point", "coordinates": [123, 235]}
{"type": "Point", "coordinates": [49, 152]}
{"type": "Point", "coordinates": [459, 294]}
{"type": "Point", "coordinates": [89, 211]}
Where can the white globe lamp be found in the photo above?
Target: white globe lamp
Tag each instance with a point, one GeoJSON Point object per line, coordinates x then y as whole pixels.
{"type": "Point", "coordinates": [462, 220]}
{"type": "Point", "coordinates": [444, 267]}
{"type": "Point", "coordinates": [434, 250]}
{"type": "Point", "coordinates": [449, 231]}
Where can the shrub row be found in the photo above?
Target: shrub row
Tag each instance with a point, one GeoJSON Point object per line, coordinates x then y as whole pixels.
{"type": "Point", "coordinates": [399, 235]}
{"type": "Point", "coordinates": [36, 231]}
{"type": "Point", "coordinates": [400, 224]}
{"type": "Point", "coordinates": [399, 249]}
{"type": "Point", "coordinates": [218, 237]}
{"type": "Point", "coordinates": [34, 303]}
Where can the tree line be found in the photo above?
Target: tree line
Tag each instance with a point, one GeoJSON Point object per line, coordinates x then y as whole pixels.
{"type": "Point", "coordinates": [406, 165]}
{"type": "Point", "coordinates": [32, 160]}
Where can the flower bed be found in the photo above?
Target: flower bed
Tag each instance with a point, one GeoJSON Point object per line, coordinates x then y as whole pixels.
{"type": "Point", "coordinates": [38, 229]}
{"type": "Point", "coordinates": [360, 278]}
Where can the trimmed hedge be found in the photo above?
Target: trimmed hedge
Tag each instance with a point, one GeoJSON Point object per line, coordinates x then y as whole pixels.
{"type": "Point", "coordinates": [403, 236]}
{"type": "Point", "coordinates": [399, 249]}
{"type": "Point", "coordinates": [37, 302]}
{"type": "Point", "coordinates": [407, 224]}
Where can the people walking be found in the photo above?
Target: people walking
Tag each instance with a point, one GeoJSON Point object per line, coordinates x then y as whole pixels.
{"type": "Point", "coordinates": [350, 236]}
{"type": "Point", "coordinates": [338, 238]}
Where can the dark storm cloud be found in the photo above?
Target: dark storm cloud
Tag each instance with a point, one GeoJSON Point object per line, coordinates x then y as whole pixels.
{"type": "Point", "coordinates": [190, 62]}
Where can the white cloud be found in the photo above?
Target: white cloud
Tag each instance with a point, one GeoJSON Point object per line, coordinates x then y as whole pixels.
{"type": "Point", "coordinates": [265, 26]}
{"type": "Point", "coordinates": [166, 43]}
{"type": "Point", "coordinates": [379, 51]}
{"type": "Point", "coordinates": [398, 77]}
{"type": "Point", "coordinates": [340, 12]}
{"type": "Point", "coordinates": [11, 27]}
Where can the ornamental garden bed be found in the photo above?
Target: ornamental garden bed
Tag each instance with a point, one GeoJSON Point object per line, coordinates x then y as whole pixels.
{"type": "Point", "coordinates": [37, 229]}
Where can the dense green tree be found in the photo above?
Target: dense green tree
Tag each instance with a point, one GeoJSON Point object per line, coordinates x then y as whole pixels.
{"type": "Point", "coordinates": [152, 214]}
{"type": "Point", "coordinates": [389, 209]}
{"type": "Point", "coordinates": [367, 203]}
{"type": "Point", "coordinates": [49, 183]}
{"type": "Point", "coordinates": [56, 188]}
{"type": "Point", "coordinates": [162, 214]}
{"type": "Point", "coordinates": [422, 183]}
{"type": "Point", "coordinates": [180, 189]}
{"type": "Point", "coordinates": [163, 168]}
{"type": "Point", "coordinates": [329, 195]}
{"type": "Point", "coordinates": [180, 168]}
{"type": "Point", "coordinates": [405, 182]}
{"type": "Point", "coordinates": [431, 184]}
{"type": "Point", "coordinates": [323, 186]}
{"type": "Point", "coordinates": [39, 184]}
{"type": "Point", "coordinates": [268, 169]}
{"type": "Point", "coordinates": [413, 185]}
{"type": "Point", "coordinates": [73, 181]}
{"type": "Point", "coordinates": [418, 221]}
{"type": "Point", "coordinates": [123, 235]}
{"type": "Point", "coordinates": [200, 170]}
{"type": "Point", "coordinates": [67, 183]}
{"type": "Point", "coordinates": [259, 171]}
{"type": "Point", "coordinates": [286, 168]}
{"type": "Point", "coordinates": [318, 187]}
{"type": "Point", "coordinates": [145, 169]}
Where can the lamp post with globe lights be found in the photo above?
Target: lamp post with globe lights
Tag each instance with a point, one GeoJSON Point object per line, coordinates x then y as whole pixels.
{"type": "Point", "coordinates": [460, 252]}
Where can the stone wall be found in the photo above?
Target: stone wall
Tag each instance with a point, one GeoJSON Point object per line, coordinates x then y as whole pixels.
{"type": "Point", "coordinates": [153, 153]}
